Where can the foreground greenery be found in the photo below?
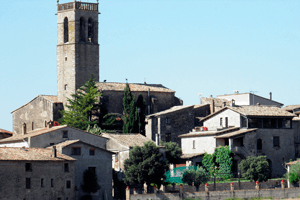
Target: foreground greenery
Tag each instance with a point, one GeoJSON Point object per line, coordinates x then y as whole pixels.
{"type": "Point", "coordinates": [173, 152]}
{"type": "Point", "coordinates": [294, 174]}
{"type": "Point", "coordinates": [197, 176]}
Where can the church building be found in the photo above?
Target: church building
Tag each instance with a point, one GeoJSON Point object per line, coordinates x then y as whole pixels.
{"type": "Point", "coordinates": [77, 60]}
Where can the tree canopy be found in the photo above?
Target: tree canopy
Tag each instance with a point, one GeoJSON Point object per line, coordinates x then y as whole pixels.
{"type": "Point", "coordinates": [197, 176]}
{"type": "Point", "coordinates": [173, 152]}
{"type": "Point", "coordinates": [80, 107]}
{"type": "Point", "coordinates": [145, 165]}
{"type": "Point", "coordinates": [255, 168]}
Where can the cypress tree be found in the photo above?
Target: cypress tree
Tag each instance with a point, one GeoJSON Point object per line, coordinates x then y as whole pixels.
{"type": "Point", "coordinates": [129, 112]}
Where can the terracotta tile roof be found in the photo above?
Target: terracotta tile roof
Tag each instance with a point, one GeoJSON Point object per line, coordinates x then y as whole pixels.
{"type": "Point", "coordinates": [129, 140]}
{"type": "Point", "coordinates": [40, 132]}
{"type": "Point", "coordinates": [172, 109]}
{"type": "Point", "coordinates": [31, 154]}
{"type": "Point", "coordinates": [209, 133]}
{"type": "Point", "coordinates": [290, 107]}
{"type": "Point", "coordinates": [134, 87]}
{"type": "Point", "coordinates": [236, 133]}
{"type": "Point", "coordinates": [5, 131]}
{"type": "Point", "coordinates": [258, 111]}
{"type": "Point", "coordinates": [51, 98]}
{"type": "Point", "coordinates": [190, 155]}
{"type": "Point", "coordinates": [293, 162]}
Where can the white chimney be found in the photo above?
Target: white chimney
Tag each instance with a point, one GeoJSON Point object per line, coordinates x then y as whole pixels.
{"type": "Point", "coordinates": [270, 95]}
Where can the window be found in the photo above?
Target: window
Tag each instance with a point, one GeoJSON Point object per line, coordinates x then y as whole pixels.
{"type": "Point", "coordinates": [221, 123]}
{"type": "Point", "coordinates": [91, 30]}
{"type": "Point", "coordinates": [66, 58]}
{"type": "Point", "coordinates": [66, 167]}
{"type": "Point", "coordinates": [243, 121]}
{"type": "Point", "coordinates": [276, 141]}
{"type": "Point", "coordinates": [51, 144]}
{"type": "Point", "coordinates": [45, 123]}
{"type": "Point", "coordinates": [226, 122]}
{"type": "Point", "coordinates": [82, 30]}
{"type": "Point", "coordinates": [28, 183]}
{"type": "Point", "coordinates": [284, 123]}
{"type": "Point", "coordinates": [194, 144]}
{"type": "Point", "coordinates": [52, 182]}
{"type": "Point", "coordinates": [68, 184]}
{"type": "Point", "coordinates": [93, 169]}
{"type": "Point", "coordinates": [76, 151]}
{"type": "Point", "coordinates": [168, 137]}
{"type": "Point", "coordinates": [66, 30]}
{"type": "Point", "coordinates": [65, 134]}
{"type": "Point", "coordinates": [259, 144]}
{"type": "Point", "coordinates": [24, 129]}
{"type": "Point", "coordinates": [32, 126]}
{"type": "Point", "coordinates": [255, 123]}
{"type": "Point", "coordinates": [168, 120]}
{"type": "Point", "coordinates": [66, 86]}
{"type": "Point", "coordinates": [269, 123]}
{"type": "Point", "coordinates": [42, 182]}
{"type": "Point", "coordinates": [28, 167]}
{"type": "Point", "coordinates": [92, 152]}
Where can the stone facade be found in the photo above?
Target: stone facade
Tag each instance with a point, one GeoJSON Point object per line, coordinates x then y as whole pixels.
{"type": "Point", "coordinates": [169, 124]}
{"type": "Point", "coordinates": [100, 160]}
{"type": "Point", "coordinates": [35, 114]}
{"type": "Point", "coordinates": [47, 178]}
{"type": "Point", "coordinates": [77, 47]}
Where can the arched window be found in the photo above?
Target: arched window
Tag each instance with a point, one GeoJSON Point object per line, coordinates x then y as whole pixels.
{"type": "Point", "coordinates": [259, 144]}
{"type": "Point", "coordinates": [82, 29]}
{"type": "Point", "coordinates": [90, 30]}
{"type": "Point", "coordinates": [66, 30]}
{"type": "Point", "coordinates": [24, 129]}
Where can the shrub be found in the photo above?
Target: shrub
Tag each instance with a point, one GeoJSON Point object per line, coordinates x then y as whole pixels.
{"type": "Point", "coordinates": [197, 176]}
{"type": "Point", "coordinates": [294, 174]}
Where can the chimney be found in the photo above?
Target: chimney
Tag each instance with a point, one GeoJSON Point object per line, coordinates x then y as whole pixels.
{"type": "Point", "coordinates": [232, 103]}
{"type": "Point", "coordinates": [157, 139]}
{"type": "Point", "coordinates": [211, 96]}
{"type": "Point", "coordinates": [224, 104]}
{"type": "Point", "coordinates": [50, 124]}
{"type": "Point", "coordinates": [270, 95]}
{"type": "Point", "coordinates": [54, 152]}
{"type": "Point", "coordinates": [213, 106]}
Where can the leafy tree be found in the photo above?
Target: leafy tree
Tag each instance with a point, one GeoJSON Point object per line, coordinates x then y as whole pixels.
{"type": "Point", "coordinates": [255, 168]}
{"type": "Point", "coordinates": [294, 174]}
{"type": "Point", "coordinates": [198, 176]}
{"type": "Point", "coordinates": [94, 129]}
{"type": "Point", "coordinates": [129, 111]}
{"type": "Point", "coordinates": [140, 104]}
{"type": "Point", "coordinates": [208, 163]}
{"type": "Point", "coordinates": [173, 152]}
{"type": "Point", "coordinates": [145, 165]}
{"type": "Point", "coordinates": [90, 182]}
{"type": "Point", "coordinates": [81, 106]}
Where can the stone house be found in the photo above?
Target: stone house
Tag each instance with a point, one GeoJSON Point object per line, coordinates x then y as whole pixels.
{"type": "Point", "coordinates": [5, 134]}
{"type": "Point", "coordinates": [46, 137]}
{"type": "Point", "coordinates": [247, 130]}
{"type": "Point", "coordinates": [36, 173]}
{"type": "Point", "coordinates": [121, 144]}
{"type": "Point", "coordinates": [89, 157]}
{"type": "Point", "coordinates": [167, 125]}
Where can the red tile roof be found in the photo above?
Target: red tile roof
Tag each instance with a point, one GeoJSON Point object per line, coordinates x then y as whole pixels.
{"type": "Point", "coordinates": [31, 154]}
{"type": "Point", "coordinates": [5, 131]}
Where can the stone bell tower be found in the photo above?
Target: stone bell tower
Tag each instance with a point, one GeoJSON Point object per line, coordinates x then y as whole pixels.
{"type": "Point", "coordinates": [77, 46]}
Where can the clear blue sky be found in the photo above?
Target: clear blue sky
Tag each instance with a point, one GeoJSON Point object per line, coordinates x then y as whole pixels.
{"type": "Point", "coordinates": [191, 46]}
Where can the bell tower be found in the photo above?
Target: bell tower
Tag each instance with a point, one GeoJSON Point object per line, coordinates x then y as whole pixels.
{"type": "Point", "coordinates": [77, 46]}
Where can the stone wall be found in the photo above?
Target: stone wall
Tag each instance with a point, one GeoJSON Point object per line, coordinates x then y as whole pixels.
{"type": "Point", "coordinates": [13, 177]}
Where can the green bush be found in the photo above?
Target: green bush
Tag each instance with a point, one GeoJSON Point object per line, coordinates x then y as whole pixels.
{"type": "Point", "coordinates": [294, 174]}
{"type": "Point", "coordinates": [197, 176]}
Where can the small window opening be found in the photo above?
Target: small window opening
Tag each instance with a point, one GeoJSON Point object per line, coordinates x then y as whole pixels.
{"type": "Point", "coordinates": [52, 182]}
{"type": "Point", "coordinates": [68, 184]}
{"type": "Point", "coordinates": [90, 30]}
{"type": "Point", "coordinates": [66, 58]}
{"type": "Point", "coordinates": [45, 123]}
{"type": "Point", "coordinates": [24, 129]}
{"type": "Point", "coordinates": [259, 144]}
{"type": "Point", "coordinates": [92, 152]}
{"type": "Point", "coordinates": [66, 86]}
{"type": "Point", "coordinates": [32, 126]}
{"type": "Point", "coordinates": [28, 167]}
{"type": "Point", "coordinates": [76, 151]}
{"type": "Point", "coordinates": [276, 141]}
{"type": "Point", "coordinates": [65, 134]}
{"type": "Point", "coordinates": [226, 122]}
{"type": "Point", "coordinates": [66, 167]}
{"type": "Point", "coordinates": [28, 183]}
{"type": "Point", "coordinates": [194, 144]}
{"type": "Point", "coordinates": [221, 121]}
{"type": "Point", "coordinates": [66, 30]}
{"type": "Point", "coordinates": [42, 182]}
{"type": "Point", "coordinates": [82, 30]}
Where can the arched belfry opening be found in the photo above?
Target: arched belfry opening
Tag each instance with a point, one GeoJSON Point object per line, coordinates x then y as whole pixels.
{"type": "Point", "coordinates": [90, 30]}
{"type": "Point", "coordinates": [66, 30]}
{"type": "Point", "coordinates": [82, 29]}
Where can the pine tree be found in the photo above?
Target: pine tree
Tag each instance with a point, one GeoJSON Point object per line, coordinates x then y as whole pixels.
{"type": "Point", "coordinates": [129, 112]}
{"type": "Point", "coordinates": [81, 106]}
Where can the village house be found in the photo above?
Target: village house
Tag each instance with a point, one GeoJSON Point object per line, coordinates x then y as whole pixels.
{"type": "Point", "coordinates": [89, 157]}
{"type": "Point", "coordinates": [26, 174]}
{"type": "Point", "coordinates": [167, 125]}
{"type": "Point", "coordinates": [247, 130]}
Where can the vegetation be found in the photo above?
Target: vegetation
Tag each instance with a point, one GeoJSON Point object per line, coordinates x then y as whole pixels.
{"type": "Point", "coordinates": [129, 111]}
{"type": "Point", "coordinates": [173, 152]}
{"type": "Point", "coordinates": [294, 174]}
{"type": "Point", "coordinates": [81, 106]}
{"type": "Point", "coordinates": [196, 176]}
{"type": "Point", "coordinates": [94, 129]}
{"type": "Point", "coordinates": [145, 165]}
{"type": "Point", "coordinates": [255, 168]}
{"type": "Point", "coordinates": [90, 182]}
{"type": "Point", "coordinates": [220, 162]}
